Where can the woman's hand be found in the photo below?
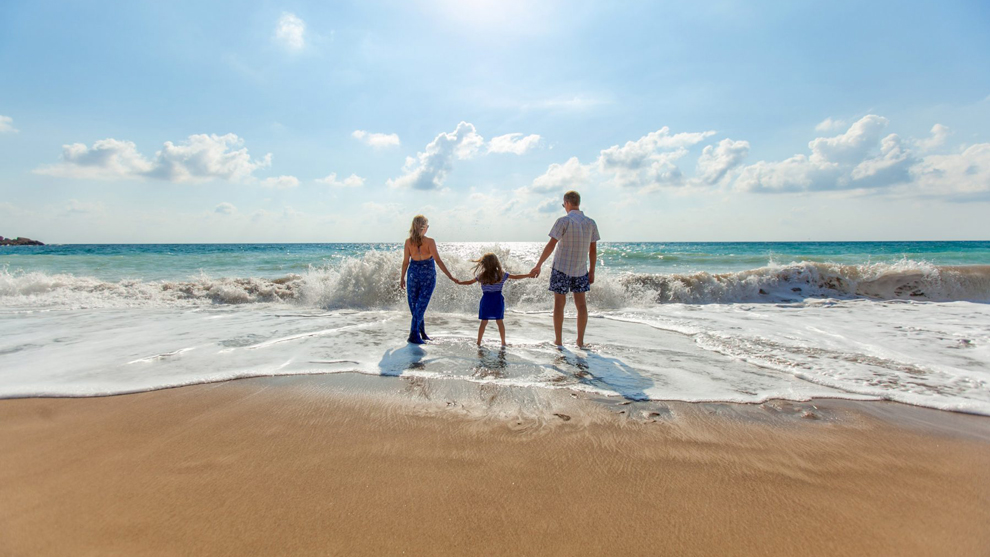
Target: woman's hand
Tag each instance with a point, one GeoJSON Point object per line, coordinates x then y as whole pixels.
{"type": "Point", "coordinates": [402, 283]}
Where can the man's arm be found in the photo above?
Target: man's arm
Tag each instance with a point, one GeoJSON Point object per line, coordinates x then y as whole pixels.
{"type": "Point", "coordinates": [546, 253]}
{"type": "Point", "coordinates": [592, 257]}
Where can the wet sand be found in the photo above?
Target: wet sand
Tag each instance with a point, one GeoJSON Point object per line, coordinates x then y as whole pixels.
{"type": "Point", "coordinates": [314, 465]}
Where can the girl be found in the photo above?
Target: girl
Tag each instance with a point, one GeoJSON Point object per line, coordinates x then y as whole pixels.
{"type": "Point", "coordinates": [488, 271]}
{"type": "Point", "coordinates": [418, 257]}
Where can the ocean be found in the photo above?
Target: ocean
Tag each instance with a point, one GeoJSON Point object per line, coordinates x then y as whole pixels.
{"type": "Point", "coordinates": [733, 322]}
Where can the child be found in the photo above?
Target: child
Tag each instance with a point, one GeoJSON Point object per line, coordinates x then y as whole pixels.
{"type": "Point", "coordinates": [492, 306]}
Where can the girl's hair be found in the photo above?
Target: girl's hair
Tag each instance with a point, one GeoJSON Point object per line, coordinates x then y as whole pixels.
{"type": "Point", "coordinates": [416, 230]}
{"type": "Point", "coordinates": [490, 269]}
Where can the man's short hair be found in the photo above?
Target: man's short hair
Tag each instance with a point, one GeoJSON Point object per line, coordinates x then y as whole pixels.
{"type": "Point", "coordinates": [573, 197]}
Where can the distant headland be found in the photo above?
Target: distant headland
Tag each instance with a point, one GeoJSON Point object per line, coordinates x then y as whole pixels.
{"type": "Point", "coordinates": [19, 242]}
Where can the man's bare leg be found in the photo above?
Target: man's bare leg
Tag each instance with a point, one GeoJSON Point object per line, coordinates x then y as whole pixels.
{"type": "Point", "coordinates": [559, 300]}
{"type": "Point", "coordinates": [582, 316]}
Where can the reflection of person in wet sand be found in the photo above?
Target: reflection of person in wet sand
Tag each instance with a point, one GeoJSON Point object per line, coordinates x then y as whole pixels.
{"type": "Point", "coordinates": [575, 239]}
{"type": "Point", "coordinates": [491, 363]}
{"type": "Point", "coordinates": [606, 373]}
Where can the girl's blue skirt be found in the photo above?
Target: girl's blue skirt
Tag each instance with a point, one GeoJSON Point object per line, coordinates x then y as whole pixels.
{"type": "Point", "coordinates": [492, 306]}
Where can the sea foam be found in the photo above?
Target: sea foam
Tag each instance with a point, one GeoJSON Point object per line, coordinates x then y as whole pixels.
{"type": "Point", "coordinates": [372, 281]}
{"type": "Point", "coordinates": [906, 330]}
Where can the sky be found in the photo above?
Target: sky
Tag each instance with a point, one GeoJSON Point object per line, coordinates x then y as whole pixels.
{"type": "Point", "coordinates": [263, 121]}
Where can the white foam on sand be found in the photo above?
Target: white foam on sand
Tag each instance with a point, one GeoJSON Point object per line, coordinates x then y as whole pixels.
{"type": "Point", "coordinates": [907, 331]}
{"type": "Point", "coordinates": [923, 353]}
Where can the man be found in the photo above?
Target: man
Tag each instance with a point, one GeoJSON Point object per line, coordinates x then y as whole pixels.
{"type": "Point", "coordinates": [575, 237]}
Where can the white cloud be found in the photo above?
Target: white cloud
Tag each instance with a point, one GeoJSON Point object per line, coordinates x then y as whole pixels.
{"type": "Point", "coordinates": [290, 32]}
{"type": "Point", "coordinates": [891, 167]}
{"type": "Point", "coordinates": [835, 163]}
{"type": "Point", "coordinates": [963, 175]}
{"type": "Point", "coordinates": [7, 125]}
{"type": "Point", "coordinates": [853, 145]}
{"type": "Point", "coordinates": [204, 157]}
{"type": "Point", "coordinates": [487, 204]}
{"type": "Point", "coordinates": [225, 209]}
{"type": "Point", "coordinates": [513, 143]}
{"type": "Point", "coordinates": [939, 134]}
{"type": "Point", "coordinates": [352, 181]}
{"type": "Point", "coordinates": [828, 125]}
{"type": "Point", "coordinates": [549, 206]}
{"type": "Point", "coordinates": [560, 177]}
{"type": "Point", "coordinates": [106, 159]}
{"type": "Point", "coordinates": [280, 182]}
{"type": "Point", "coordinates": [648, 162]}
{"type": "Point", "coordinates": [200, 158]}
{"type": "Point", "coordinates": [470, 143]}
{"type": "Point", "coordinates": [377, 140]}
{"type": "Point", "coordinates": [794, 174]}
{"type": "Point", "coordinates": [716, 162]}
{"type": "Point", "coordinates": [429, 169]}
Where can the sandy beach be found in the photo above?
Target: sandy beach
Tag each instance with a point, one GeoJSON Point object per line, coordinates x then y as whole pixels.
{"type": "Point", "coordinates": [314, 465]}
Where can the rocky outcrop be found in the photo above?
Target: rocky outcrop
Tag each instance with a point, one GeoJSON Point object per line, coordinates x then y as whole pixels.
{"type": "Point", "coordinates": [19, 242]}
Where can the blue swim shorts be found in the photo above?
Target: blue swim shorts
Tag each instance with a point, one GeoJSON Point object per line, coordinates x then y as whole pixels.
{"type": "Point", "coordinates": [562, 284]}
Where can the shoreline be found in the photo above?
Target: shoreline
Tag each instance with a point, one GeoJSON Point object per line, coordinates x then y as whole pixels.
{"type": "Point", "coordinates": [361, 385]}
{"type": "Point", "coordinates": [361, 464]}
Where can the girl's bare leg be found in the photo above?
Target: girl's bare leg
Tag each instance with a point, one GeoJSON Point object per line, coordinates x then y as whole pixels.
{"type": "Point", "coordinates": [501, 330]}
{"type": "Point", "coordinates": [481, 330]}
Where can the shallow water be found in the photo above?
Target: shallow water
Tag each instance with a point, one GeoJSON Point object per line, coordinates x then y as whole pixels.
{"type": "Point", "coordinates": [907, 330]}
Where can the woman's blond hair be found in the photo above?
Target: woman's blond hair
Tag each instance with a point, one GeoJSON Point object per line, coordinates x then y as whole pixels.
{"type": "Point", "coordinates": [416, 229]}
{"type": "Point", "coordinates": [490, 269]}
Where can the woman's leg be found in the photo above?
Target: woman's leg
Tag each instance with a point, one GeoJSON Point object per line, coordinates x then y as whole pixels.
{"type": "Point", "coordinates": [481, 330]}
{"type": "Point", "coordinates": [425, 278]}
{"type": "Point", "coordinates": [501, 330]}
{"type": "Point", "coordinates": [414, 290]}
{"type": "Point", "coordinates": [429, 284]}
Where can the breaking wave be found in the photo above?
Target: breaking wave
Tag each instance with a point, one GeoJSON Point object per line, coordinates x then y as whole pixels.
{"type": "Point", "coordinates": [372, 282]}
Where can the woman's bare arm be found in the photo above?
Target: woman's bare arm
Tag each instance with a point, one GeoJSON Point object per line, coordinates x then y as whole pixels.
{"type": "Point", "coordinates": [436, 257]}
{"type": "Point", "coordinates": [405, 265]}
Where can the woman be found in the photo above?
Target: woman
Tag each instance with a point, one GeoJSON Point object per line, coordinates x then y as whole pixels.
{"type": "Point", "coordinates": [422, 276]}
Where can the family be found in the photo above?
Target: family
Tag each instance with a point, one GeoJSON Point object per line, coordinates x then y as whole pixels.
{"type": "Point", "coordinates": [573, 243]}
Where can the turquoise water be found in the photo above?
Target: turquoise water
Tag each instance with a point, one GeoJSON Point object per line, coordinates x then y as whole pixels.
{"type": "Point", "coordinates": [734, 322]}
{"type": "Point", "coordinates": [182, 261]}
